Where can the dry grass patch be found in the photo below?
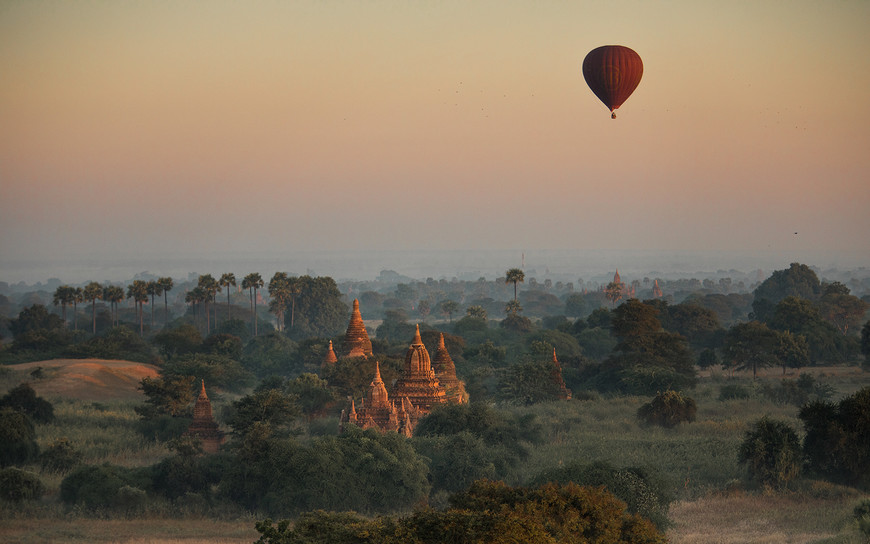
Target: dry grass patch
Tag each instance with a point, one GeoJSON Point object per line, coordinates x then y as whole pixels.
{"type": "Point", "coordinates": [133, 531]}
{"type": "Point", "coordinates": [763, 519]}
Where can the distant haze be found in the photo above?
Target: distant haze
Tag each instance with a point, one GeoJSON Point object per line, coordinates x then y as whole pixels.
{"type": "Point", "coordinates": [304, 135]}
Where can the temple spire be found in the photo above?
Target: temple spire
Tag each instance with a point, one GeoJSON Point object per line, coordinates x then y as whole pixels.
{"type": "Point", "coordinates": [417, 339]}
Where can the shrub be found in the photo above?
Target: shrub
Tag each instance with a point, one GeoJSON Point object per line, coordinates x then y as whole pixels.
{"type": "Point", "coordinates": [17, 436]}
{"type": "Point", "coordinates": [18, 485]}
{"type": "Point", "coordinates": [23, 399]}
{"type": "Point", "coordinates": [733, 391]}
{"type": "Point", "coordinates": [772, 453]}
{"type": "Point", "coordinates": [98, 486]}
{"type": "Point", "coordinates": [60, 456]}
{"type": "Point", "coordinates": [668, 409]}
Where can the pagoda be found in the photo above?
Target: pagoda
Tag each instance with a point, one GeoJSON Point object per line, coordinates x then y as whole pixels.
{"type": "Point", "coordinates": [418, 382]}
{"type": "Point", "coordinates": [556, 375]}
{"type": "Point", "coordinates": [330, 358]}
{"type": "Point", "coordinates": [356, 339]}
{"type": "Point", "coordinates": [657, 291]}
{"type": "Point", "coordinates": [445, 370]}
{"type": "Point", "coordinates": [204, 426]}
{"type": "Point", "coordinates": [376, 411]}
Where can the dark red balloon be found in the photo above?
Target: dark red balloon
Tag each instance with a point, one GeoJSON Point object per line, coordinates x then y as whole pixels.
{"type": "Point", "coordinates": [613, 72]}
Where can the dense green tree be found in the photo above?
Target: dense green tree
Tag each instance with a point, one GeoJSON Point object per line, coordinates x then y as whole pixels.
{"type": "Point", "coordinates": [269, 409]}
{"type": "Point", "coordinates": [319, 309]}
{"type": "Point", "coordinates": [180, 340]}
{"type": "Point", "coordinates": [837, 442]}
{"type": "Point", "coordinates": [514, 276]}
{"type": "Point", "coordinates": [93, 486]}
{"type": "Point", "coordinates": [18, 485]}
{"type": "Point", "coordinates": [217, 370]}
{"type": "Point", "coordinates": [841, 308]}
{"type": "Point", "coordinates": [750, 346]}
{"type": "Point", "coordinates": [18, 437]}
{"type": "Point", "coordinates": [169, 395]}
{"type": "Point", "coordinates": [313, 394]}
{"type": "Point", "coordinates": [771, 452]}
{"type": "Point", "coordinates": [24, 399]}
{"type": "Point", "coordinates": [531, 382]}
{"type": "Point", "coordinates": [36, 317]}
{"type": "Point", "coordinates": [448, 307]}
{"type": "Point", "coordinates": [270, 354]}
{"type": "Point", "coordinates": [798, 280]}
{"type": "Point", "coordinates": [668, 409]}
{"type": "Point", "coordinates": [698, 324]}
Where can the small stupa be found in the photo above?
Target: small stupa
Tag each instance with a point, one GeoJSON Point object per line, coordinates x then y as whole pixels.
{"type": "Point", "coordinates": [445, 371]}
{"type": "Point", "coordinates": [204, 427]}
{"type": "Point", "coordinates": [356, 339]}
{"type": "Point", "coordinates": [330, 358]}
{"type": "Point", "coordinates": [376, 411]}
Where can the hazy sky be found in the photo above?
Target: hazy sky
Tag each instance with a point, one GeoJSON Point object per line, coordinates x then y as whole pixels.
{"type": "Point", "coordinates": [160, 128]}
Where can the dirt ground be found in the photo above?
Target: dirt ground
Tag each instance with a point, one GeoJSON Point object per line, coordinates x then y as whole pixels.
{"type": "Point", "coordinates": [87, 379]}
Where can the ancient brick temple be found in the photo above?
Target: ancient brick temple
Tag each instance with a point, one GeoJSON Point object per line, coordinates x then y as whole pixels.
{"type": "Point", "coordinates": [330, 358]}
{"type": "Point", "coordinates": [204, 427]}
{"type": "Point", "coordinates": [445, 370]}
{"type": "Point", "coordinates": [356, 339]}
{"type": "Point", "coordinates": [414, 394]}
{"type": "Point", "coordinates": [564, 392]}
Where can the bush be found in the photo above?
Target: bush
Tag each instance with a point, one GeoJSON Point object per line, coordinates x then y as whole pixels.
{"type": "Point", "coordinates": [772, 453]}
{"type": "Point", "coordinates": [18, 485]}
{"type": "Point", "coordinates": [60, 456]}
{"type": "Point", "coordinates": [94, 486]}
{"type": "Point", "coordinates": [733, 391]}
{"type": "Point", "coordinates": [668, 409]}
{"type": "Point", "coordinates": [18, 438]}
{"type": "Point", "coordinates": [23, 399]}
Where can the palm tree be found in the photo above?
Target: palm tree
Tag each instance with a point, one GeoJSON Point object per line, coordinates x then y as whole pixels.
{"type": "Point", "coordinates": [252, 282]}
{"type": "Point", "coordinates": [228, 280]}
{"type": "Point", "coordinates": [193, 297]}
{"type": "Point", "coordinates": [210, 287]}
{"type": "Point", "coordinates": [166, 285]}
{"type": "Point", "coordinates": [279, 292]}
{"type": "Point", "coordinates": [92, 292]}
{"type": "Point", "coordinates": [64, 296]}
{"type": "Point", "coordinates": [154, 290]}
{"type": "Point", "coordinates": [113, 295]}
{"type": "Point", "coordinates": [77, 296]}
{"type": "Point", "coordinates": [138, 291]}
{"type": "Point", "coordinates": [294, 289]}
{"type": "Point", "coordinates": [512, 308]}
{"type": "Point", "coordinates": [514, 276]}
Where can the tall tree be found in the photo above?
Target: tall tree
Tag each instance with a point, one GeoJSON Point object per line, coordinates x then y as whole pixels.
{"type": "Point", "coordinates": [252, 282]}
{"type": "Point", "coordinates": [113, 294]}
{"type": "Point", "coordinates": [752, 346]}
{"type": "Point", "coordinates": [92, 292]}
{"type": "Point", "coordinates": [154, 290]}
{"type": "Point", "coordinates": [63, 296]}
{"type": "Point", "coordinates": [228, 280]}
{"type": "Point", "coordinates": [77, 296]}
{"type": "Point", "coordinates": [279, 293]}
{"type": "Point", "coordinates": [514, 276]}
{"type": "Point", "coordinates": [449, 307]}
{"type": "Point", "coordinates": [209, 287]}
{"type": "Point", "coordinates": [138, 291]}
{"type": "Point", "coordinates": [166, 285]}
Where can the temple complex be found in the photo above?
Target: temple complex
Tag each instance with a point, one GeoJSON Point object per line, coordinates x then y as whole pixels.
{"type": "Point", "coordinates": [657, 291]}
{"type": "Point", "coordinates": [356, 339]}
{"type": "Point", "coordinates": [204, 427]}
{"type": "Point", "coordinates": [418, 381]}
{"type": "Point", "coordinates": [413, 395]}
{"type": "Point", "coordinates": [445, 370]}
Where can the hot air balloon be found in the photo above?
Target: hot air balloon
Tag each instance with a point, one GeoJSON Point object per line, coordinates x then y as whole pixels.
{"type": "Point", "coordinates": [613, 73]}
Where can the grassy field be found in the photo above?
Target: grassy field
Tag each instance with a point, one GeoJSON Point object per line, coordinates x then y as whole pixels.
{"type": "Point", "coordinates": [712, 504]}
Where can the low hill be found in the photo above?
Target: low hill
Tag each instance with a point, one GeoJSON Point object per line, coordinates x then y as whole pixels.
{"type": "Point", "coordinates": [86, 379]}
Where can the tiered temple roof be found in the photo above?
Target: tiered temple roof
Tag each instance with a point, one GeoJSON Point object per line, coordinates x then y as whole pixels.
{"type": "Point", "coordinates": [356, 339]}
{"type": "Point", "coordinates": [445, 370]}
{"type": "Point", "coordinates": [378, 412]}
{"type": "Point", "coordinates": [204, 426]}
{"type": "Point", "coordinates": [418, 381]}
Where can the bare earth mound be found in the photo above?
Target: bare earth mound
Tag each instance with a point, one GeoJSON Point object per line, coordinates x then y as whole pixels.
{"type": "Point", "coordinates": [88, 379]}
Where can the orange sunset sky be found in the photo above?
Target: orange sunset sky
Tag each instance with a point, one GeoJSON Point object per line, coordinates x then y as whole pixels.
{"type": "Point", "coordinates": [162, 128]}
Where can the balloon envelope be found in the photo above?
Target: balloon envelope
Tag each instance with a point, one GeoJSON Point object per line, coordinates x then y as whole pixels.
{"type": "Point", "coordinates": [613, 73]}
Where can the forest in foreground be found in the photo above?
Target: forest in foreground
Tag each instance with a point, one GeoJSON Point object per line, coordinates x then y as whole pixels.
{"type": "Point", "coordinates": [683, 395]}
